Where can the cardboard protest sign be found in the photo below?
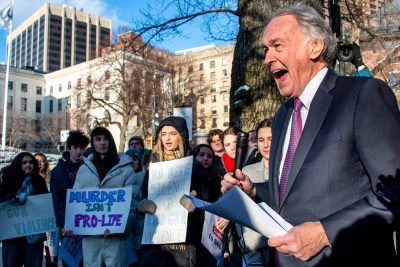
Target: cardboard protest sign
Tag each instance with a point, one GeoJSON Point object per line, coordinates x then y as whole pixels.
{"type": "Point", "coordinates": [91, 211]}
{"type": "Point", "coordinates": [212, 238]}
{"type": "Point", "coordinates": [168, 181]}
{"type": "Point", "coordinates": [34, 217]}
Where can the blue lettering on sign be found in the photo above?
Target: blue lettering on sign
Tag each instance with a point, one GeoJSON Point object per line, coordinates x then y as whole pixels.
{"type": "Point", "coordinates": [97, 196]}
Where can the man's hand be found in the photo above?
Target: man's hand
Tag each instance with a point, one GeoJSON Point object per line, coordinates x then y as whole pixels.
{"type": "Point", "coordinates": [241, 180]}
{"type": "Point", "coordinates": [303, 241]}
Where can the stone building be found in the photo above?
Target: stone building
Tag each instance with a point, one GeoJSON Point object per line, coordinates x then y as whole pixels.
{"type": "Point", "coordinates": [57, 37]}
{"type": "Point", "coordinates": [203, 81]}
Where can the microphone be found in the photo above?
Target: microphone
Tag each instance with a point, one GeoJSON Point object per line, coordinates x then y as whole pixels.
{"type": "Point", "coordinates": [242, 142]}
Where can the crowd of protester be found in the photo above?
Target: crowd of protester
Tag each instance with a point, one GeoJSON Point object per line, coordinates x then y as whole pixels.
{"type": "Point", "coordinates": [213, 173]}
{"type": "Point", "coordinates": [96, 166]}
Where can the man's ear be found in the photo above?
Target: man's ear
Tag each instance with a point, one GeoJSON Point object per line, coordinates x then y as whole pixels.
{"type": "Point", "coordinates": [315, 48]}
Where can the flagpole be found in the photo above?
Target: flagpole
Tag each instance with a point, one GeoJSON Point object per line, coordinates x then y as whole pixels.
{"type": "Point", "coordinates": [3, 139]}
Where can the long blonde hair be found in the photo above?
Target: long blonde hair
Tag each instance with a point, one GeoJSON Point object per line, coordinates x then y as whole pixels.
{"type": "Point", "coordinates": [46, 166]}
{"type": "Point", "coordinates": [165, 155]}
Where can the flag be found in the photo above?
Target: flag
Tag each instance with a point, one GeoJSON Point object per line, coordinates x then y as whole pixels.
{"type": "Point", "coordinates": [5, 15]}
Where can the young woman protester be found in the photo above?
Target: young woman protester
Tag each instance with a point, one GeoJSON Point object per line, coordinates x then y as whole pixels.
{"type": "Point", "coordinates": [19, 180]}
{"type": "Point", "coordinates": [205, 155]}
{"type": "Point", "coordinates": [172, 142]}
{"type": "Point", "coordinates": [232, 253]}
{"type": "Point", "coordinates": [106, 169]}
{"type": "Point", "coordinates": [50, 248]}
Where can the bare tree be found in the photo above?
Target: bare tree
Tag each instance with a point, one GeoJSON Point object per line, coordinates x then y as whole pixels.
{"type": "Point", "coordinates": [122, 86]}
{"type": "Point", "coordinates": [242, 21]}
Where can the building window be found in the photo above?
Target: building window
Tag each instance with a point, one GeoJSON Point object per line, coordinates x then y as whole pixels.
{"type": "Point", "coordinates": [89, 80]}
{"type": "Point", "coordinates": [180, 70]}
{"type": "Point", "coordinates": [59, 104]}
{"type": "Point", "coordinates": [10, 101]}
{"type": "Point", "coordinates": [78, 99]}
{"type": "Point", "coordinates": [201, 66]}
{"type": "Point", "coordinates": [79, 83]}
{"type": "Point", "coordinates": [60, 87]}
{"type": "Point", "coordinates": [51, 90]}
{"type": "Point", "coordinates": [190, 69]}
{"type": "Point", "coordinates": [213, 87]}
{"type": "Point", "coordinates": [24, 102]}
{"type": "Point", "coordinates": [224, 61]}
{"type": "Point", "coordinates": [202, 100]}
{"type": "Point", "coordinates": [212, 64]}
{"type": "Point", "coordinates": [214, 123]}
{"type": "Point", "coordinates": [201, 77]}
{"type": "Point", "coordinates": [202, 110]}
{"type": "Point", "coordinates": [51, 106]}
{"type": "Point", "coordinates": [24, 87]}
{"type": "Point", "coordinates": [107, 75]}
{"type": "Point", "coordinates": [38, 106]}
{"type": "Point", "coordinates": [107, 94]}
{"type": "Point", "coordinates": [202, 124]}
{"type": "Point", "coordinates": [225, 84]}
{"type": "Point", "coordinates": [214, 110]}
{"type": "Point", "coordinates": [38, 90]}
{"type": "Point", "coordinates": [213, 98]}
{"type": "Point", "coordinates": [226, 108]}
{"type": "Point", "coordinates": [10, 85]}
{"type": "Point", "coordinates": [226, 121]}
{"type": "Point", "coordinates": [212, 75]}
{"type": "Point", "coordinates": [226, 97]}
{"type": "Point", "coordinates": [37, 126]}
{"type": "Point", "coordinates": [69, 85]}
{"type": "Point", "coordinates": [225, 72]}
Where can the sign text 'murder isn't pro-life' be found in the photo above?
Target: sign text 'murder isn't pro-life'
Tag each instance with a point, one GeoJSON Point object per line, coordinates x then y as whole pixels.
{"type": "Point", "coordinates": [92, 211]}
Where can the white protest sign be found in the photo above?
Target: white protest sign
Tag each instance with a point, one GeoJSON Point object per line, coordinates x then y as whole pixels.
{"type": "Point", "coordinates": [91, 211]}
{"type": "Point", "coordinates": [212, 238]}
{"type": "Point", "coordinates": [168, 181]}
{"type": "Point", "coordinates": [34, 217]}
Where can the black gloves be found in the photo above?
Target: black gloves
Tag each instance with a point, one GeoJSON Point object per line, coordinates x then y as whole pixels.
{"type": "Point", "coordinates": [357, 58]}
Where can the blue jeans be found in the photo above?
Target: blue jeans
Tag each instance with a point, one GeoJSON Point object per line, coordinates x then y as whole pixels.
{"type": "Point", "coordinates": [29, 255]}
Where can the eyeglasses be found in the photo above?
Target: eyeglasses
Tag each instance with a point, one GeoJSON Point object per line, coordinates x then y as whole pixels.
{"type": "Point", "coordinates": [28, 162]}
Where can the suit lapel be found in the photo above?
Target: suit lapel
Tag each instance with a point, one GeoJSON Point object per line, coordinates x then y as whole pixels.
{"type": "Point", "coordinates": [316, 116]}
{"type": "Point", "coordinates": [282, 121]}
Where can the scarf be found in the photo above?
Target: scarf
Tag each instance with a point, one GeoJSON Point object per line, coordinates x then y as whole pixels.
{"type": "Point", "coordinates": [23, 193]}
{"type": "Point", "coordinates": [229, 162]}
{"type": "Point", "coordinates": [171, 155]}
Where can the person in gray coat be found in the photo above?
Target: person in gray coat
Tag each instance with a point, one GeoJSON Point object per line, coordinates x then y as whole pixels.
{"type": "Point", "coordinates": [106, 169]}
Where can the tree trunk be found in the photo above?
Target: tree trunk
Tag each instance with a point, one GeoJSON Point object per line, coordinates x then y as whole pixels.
{"type": "Point", "coordinates": [122, 133]}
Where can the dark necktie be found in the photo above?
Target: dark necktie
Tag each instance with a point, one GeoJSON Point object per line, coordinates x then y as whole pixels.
{"type": "Point", "coordinates": [295, 134]}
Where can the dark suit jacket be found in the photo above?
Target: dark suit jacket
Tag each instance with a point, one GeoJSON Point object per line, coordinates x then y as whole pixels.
{"type": "Point", "coordinates": [350, 139]}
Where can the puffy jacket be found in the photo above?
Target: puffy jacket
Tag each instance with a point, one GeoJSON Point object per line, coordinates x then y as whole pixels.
{"type": "Point", "coordinates": [121, 175]}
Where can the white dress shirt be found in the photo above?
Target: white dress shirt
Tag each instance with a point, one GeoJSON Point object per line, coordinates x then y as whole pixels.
{"type": "Point", "coordinates": [306, 98]}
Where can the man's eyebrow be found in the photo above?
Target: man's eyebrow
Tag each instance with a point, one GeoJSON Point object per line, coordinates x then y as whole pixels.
{"type": "Point", "coordinates": [274, 41]}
